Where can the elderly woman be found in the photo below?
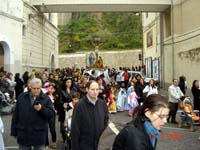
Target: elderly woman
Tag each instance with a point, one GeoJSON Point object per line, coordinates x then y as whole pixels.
{"type": "Point", "coordinates": [143, 131]}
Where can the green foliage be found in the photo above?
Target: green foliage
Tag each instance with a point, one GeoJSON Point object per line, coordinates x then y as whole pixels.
{"type": "Point", "coordinates": [116, 31]}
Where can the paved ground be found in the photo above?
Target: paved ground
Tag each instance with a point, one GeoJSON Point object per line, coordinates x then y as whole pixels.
{"type": "Point", "coordinates": [172, 137]}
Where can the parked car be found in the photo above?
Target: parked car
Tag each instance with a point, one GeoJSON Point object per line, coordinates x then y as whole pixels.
{"type": "Point", "coordinates": [134, 73]}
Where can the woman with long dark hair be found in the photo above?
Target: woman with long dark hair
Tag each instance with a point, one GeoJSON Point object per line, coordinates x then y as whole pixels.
{"type": "Point", "coordinates": [19, 88]}
{"type": "Point", "coordinates": [65, 99]}
{"type": "Point", "coordinates": [143, 131]}
{"type": "Point", "coordinates": [53, 93]}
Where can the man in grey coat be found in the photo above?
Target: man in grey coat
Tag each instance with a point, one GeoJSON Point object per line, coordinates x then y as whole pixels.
{"type": "Point", "coordinates": [30, 119]}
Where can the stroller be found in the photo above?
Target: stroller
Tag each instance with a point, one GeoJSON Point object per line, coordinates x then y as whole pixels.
{"type": "Point", "coordinates": [6, 107]}
{"type": "Point", "coordinates": [188, 115]}
{"type": "Point", "coordinates": [67, 143]}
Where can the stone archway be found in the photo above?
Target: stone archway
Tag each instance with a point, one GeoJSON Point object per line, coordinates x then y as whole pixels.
{"type": "Point", "coordinates": [5, 55]}
{"type": "Point", "coordinates": [1, 55]}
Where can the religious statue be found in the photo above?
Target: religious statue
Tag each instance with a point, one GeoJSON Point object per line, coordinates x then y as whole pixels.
{"type": "Point", "coordinates": [99, 63]}
{"type": "Point", "coordinates": [91, 60]}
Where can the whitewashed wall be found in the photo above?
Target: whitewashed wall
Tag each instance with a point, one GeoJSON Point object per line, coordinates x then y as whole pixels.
{"type": "Point", "coordinates": [40, 40]}
{"type": "Point", "coordinates": [11, 33]}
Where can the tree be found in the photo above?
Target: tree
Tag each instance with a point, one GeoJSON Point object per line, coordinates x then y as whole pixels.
{"type": "Point", "coordinates": [116, 31]}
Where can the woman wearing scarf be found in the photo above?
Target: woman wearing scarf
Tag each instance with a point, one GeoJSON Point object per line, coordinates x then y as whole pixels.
{"type": "Point", "coordinates": [143, 131]}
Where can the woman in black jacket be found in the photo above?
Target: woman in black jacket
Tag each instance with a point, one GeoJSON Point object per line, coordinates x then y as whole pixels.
{"type": "Point", "coordinates": [66, 97]}
{"type": "Point", "coordinates": [143, 131]}
{"type": "Point", "coordinates": [19, 85]}
{"type": "Point", "coordinates": [196, 94]}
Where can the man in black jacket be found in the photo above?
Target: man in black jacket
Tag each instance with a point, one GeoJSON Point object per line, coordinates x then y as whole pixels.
{"type": "Point", "coordinates": [30, 119]}
{"type": "Point", "coordinates": [90, 118]}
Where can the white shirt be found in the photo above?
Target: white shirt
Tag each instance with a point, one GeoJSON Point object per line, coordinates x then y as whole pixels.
{"type": "Point", "coordinates": [174, 94]}
{"type": "Point", "coordinates": [150, 90]}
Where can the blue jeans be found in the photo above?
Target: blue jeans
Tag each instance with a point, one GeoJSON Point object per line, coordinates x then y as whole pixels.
{"type": "Point", "coordinates": [23, 147]}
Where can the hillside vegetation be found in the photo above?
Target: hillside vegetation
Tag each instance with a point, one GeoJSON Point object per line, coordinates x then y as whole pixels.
{"type": "Point", "coordinates": [111, 31]}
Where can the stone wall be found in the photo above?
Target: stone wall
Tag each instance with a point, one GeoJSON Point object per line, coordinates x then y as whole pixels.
{"type": "Point", "coordinates": [111, 58]}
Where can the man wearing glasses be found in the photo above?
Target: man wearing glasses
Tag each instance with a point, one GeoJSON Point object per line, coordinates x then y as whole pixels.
{"type": "Point", "coordinates": [30, 119]}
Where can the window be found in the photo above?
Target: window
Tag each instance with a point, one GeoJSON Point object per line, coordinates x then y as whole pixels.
{"type": "Point", "coordinates": [147, 15]}
{"type": "Point", "coordinates": [50, 17]}
{"type": "Point", "coordinates": [24, 30]}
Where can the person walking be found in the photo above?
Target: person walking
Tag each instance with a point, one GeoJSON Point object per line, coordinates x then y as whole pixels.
{"type": "Point", "coordinates": [12, 84]}
{"type": "Point", "coordinates": [52, 91]}
{"type": "Point", "coordinates": [151, 88]}
{"type": "Point", "coordinates": [175, 95]}
{"type": "Point", "coordinates": [182, 84]}
{"type": "Point", "coordinates": [19, 88]}
{"type": "Point", "coordinates": [89, 119]}
{"type": "Point", "coordinates": [30, 119]}
{"type": "Point", "coordinates": [139, 86]}
{"type": "Point", "coordinates": [126, 79]}
{"type": "Point", "coordinates": [143, 131]}
{"type": "Point", "coordinates": [65, 99]}
{"type": "Point", "coordinates": [196, 94]}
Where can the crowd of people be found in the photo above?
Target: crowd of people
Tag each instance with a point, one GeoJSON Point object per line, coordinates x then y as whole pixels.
{"type": "Point", "coordinates": [49, 96]}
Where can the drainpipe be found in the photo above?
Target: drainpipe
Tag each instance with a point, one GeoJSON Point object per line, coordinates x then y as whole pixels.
{"type": "Point", "coordinates": [172, 35]}
{"type": "Point", "coordinates": [43, 24]}
{"type": "Point", "coordinates": [162, 74]}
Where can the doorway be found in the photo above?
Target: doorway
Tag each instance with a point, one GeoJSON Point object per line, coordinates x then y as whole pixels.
{"type": "Point", "coordinates": [1, 56]}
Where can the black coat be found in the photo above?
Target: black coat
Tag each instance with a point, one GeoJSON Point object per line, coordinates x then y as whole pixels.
{"type": "Point", "coordinates": [65, 98]}
{"type": "Point", "coordinates": [139, 91]}
{"type": "Point", "coordinates": [182, 86]}
{"type": "Point", "coordinates": [29, 125]}
{"type": "Point", "coordinates": [196, 96]}
{"type": "Point", "coordinates": [133, 137]}
{"type": "Point", "coordinates": [19, 87]}
{"type": "Point", "coordinates": [88, 123]}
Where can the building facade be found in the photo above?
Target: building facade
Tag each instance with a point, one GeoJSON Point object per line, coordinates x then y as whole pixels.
{"type": "Point", "coordinates": [173, 37]}
{"type": "Point", "coordinates": [64, 18]}
{"type": "Point", "coordinates": [28, 38]}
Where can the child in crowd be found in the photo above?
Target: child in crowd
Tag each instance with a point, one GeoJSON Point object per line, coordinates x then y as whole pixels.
{"type": "Point", "coordinates": [69, 111]}
{"type": "Point", "coordinates": [132, 101]}
{"type": "Point", "coordinates": [112, 108]}
{"type": "Point", "coordinates": [127, 106]}
{"type": "Point", "coordinates": [121, 100]}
